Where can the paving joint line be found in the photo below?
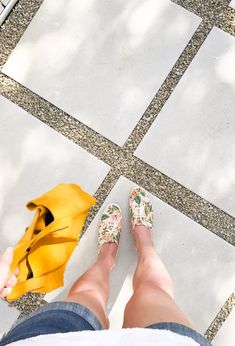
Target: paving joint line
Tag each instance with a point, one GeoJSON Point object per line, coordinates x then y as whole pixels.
{"type": "Point", "coordinates": [220, 318]}
{"type": "Point", "coordinates": [227, 23]}
{"type": "Point", "coordinates": [217, 12]}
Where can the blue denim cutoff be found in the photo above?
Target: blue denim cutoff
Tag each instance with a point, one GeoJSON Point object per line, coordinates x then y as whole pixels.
{"type": "Point", "coordinates": [64, 317]}
{"type": "Point", "coordinates": [182, 330]}
{"type": "Point", "coordinates": [56, 317]}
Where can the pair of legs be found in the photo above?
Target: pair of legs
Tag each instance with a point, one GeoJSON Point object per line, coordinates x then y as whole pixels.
{"type": "Point", "coordinates": [152, 300]}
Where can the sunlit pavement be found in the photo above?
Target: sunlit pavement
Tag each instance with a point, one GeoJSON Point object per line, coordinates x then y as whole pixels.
{"type": "Point", "coordinates": [111, 95]}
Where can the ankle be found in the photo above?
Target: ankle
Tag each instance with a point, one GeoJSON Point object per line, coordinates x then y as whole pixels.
{"type": "Point", "coordinates": [106, 263]}
{"type": "Point", "coordinates": [143, 239]}
{"type": "Point", "coordinates": [108, 254]}
{"type": "Point", "coordinates": [108, 250]}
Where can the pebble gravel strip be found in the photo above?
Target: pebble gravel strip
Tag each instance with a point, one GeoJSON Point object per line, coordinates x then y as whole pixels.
{"type": "Point", "coordinates": [220, 318]}
{"type": "Point", "coordinates": [15, 25]}
{"type": "Point", "coordinates": [122, 160]}
{"type": "Point", "coordinates": [216, 12]}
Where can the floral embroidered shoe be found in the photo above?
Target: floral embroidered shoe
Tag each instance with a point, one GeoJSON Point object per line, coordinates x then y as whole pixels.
{"type": "Point", "coordinates": [110, 226]}
{"type": "Point", "coordinates": [141, 210]}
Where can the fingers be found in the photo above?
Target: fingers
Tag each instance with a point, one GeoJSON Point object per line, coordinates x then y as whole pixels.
{"type": "Point", "coordinates": [5, 292]}
{"type": "Point", "coordinates": [5, 263]}
{"type": "Point", "coordinates": [16, 271]}
{"type": "Point", "coordinates": [4, 275]}
{"type": "Point", "coordinates": [11, 282]}
{"type": "Point", "coordinates": [7, 256]}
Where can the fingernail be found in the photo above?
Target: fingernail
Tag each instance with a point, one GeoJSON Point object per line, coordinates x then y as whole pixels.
{"type": "Point", "coordinates": [8, 290]}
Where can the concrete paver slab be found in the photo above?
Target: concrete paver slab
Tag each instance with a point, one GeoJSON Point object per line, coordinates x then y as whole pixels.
{"type": "Point", "coordinates": [95, 61]}
{"type": "Point", "coordinates": [193, 138]}
{"type": "Point", "coordinates": [226, 334]}
{"type": "Point", "coordinates": [5, 2]}
{"type": "Point", "coordinates": [9, 315]}
{"type": "Point", "coordinates": [200, 263]}
{"type": "Point", "coordinates": [33, 159]}
{"type": "Point", "coordinates": [232, 4]}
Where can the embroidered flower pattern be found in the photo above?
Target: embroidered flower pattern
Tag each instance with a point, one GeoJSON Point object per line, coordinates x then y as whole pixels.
{"type": "Point", "coordinates": [141, 209]}
{"type": "Point", "coordinates": [110, 226]}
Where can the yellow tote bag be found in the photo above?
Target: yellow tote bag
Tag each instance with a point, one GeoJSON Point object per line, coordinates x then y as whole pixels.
{"type": "Point", "coordinates": [47, 244]}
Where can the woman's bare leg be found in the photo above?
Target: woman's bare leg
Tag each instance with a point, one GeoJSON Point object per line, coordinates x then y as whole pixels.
{"type": "Point", "coordinates": [92, 288]}
{"type": "Point", "coordinates": [152, 300]}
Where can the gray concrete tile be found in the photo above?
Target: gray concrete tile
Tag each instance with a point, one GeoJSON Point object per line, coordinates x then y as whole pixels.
{"type": "Point", "coordinates": [193, 138]}
{"type": "Point", "coordinates": [201, 264]}
{"type": "Point", "coordinates": [226, 335]}
{"type": "Point", "coordinates": [101, 62]}
{"type": "Point", "coordinates": [5, 2]}
{"type": "Point", "coordinates": [232, 4]}
{"type": "Point", "coordinates": [1, 8]}
{"type": "Point", "coordinates": [33, 159]}
{"type": "Point", "coordinates": [9, 315]}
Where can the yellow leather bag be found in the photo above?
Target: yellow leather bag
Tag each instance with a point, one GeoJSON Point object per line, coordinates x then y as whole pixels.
{"type": "Point", "coordinates": [47, 244]}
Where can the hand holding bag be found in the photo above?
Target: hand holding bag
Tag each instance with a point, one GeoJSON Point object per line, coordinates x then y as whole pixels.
{"type": "Point", "coordinates": [47, 244]}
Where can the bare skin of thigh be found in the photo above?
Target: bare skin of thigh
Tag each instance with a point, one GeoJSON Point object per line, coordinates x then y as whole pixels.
{"type": "Point", "coordinates": [152, 300]}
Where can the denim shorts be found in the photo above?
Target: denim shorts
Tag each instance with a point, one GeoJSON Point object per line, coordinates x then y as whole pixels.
{"type": "Point", "coordinates": [64, 317]}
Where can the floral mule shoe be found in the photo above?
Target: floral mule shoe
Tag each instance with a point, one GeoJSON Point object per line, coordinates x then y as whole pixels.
{"type": "Point", "coordinates": [141, 209]}
{"type": "Point", "coordinates": [110, 226]}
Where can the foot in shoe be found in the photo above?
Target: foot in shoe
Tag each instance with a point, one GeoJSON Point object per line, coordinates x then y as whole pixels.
{"type": "Point", "coordinates": [141, 208]}
{"type": "Point", "coordinates": [110, 230]}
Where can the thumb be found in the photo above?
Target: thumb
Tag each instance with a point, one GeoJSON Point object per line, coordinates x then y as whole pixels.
{"type": "Point", "coordinates": [7, 256]}
{"type": "Point", "coordinates": [5, 262]}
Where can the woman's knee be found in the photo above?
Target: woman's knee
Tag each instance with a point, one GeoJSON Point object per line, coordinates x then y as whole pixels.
{"type": "Point", "coordinates": [149, 305]}
{"type": "Point", "coordinates": [152, 286]}
{"type": "Point", "coordinates": [147, 297]}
